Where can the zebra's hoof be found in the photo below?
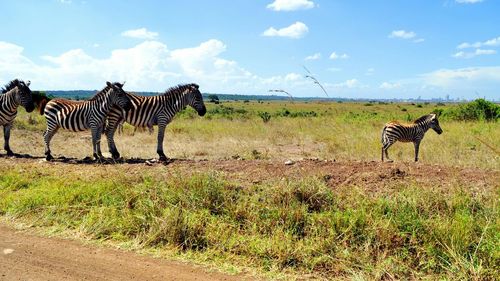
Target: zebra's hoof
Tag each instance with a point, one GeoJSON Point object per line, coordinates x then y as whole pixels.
{"type": "Point", "coordinates": [49, 157]}
{"type": "Point", "coordinates": [115, 156]}
{"type": "Point", "coordinates": [163, 158]}
{"type": "Point", "coordinates": [10, 153]}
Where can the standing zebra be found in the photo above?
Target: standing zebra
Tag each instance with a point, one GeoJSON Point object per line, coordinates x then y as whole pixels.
{"type": "Point", "coordinates": [156, 110]}
{"type": "Point", "coordinates": [79, 116]}
{"type": "Point", "coordinates": [15, 93]}
{"type": "Point", "coordinates": [395, 131]}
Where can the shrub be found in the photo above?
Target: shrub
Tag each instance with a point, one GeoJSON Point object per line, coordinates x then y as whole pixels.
{"type": "Point", "coordinates": [480, 109]}
{"type": "Point", "coordinates": [265, 116]}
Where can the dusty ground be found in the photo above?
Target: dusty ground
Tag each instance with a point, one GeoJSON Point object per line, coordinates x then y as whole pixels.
{"type": "Point", "coordinates": [371, 176]}
{"type": "Point", "coordinates": [24, 256]}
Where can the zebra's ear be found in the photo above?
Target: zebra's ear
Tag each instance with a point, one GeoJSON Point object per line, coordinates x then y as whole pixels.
{"type": "Point", "coordinates": [28, 83]}
{"type": "Point", "coordinates": [109, 84]}
{"type": "Point", "coordinates": [123, 84]}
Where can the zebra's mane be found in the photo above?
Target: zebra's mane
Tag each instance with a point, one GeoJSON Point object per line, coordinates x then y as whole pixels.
{"type": "Point", "coordinates": [422, 119]}
{"type": "Point", "coordinates": [179, 88]}
{"type": "Point", "coordinates": [11, 85]}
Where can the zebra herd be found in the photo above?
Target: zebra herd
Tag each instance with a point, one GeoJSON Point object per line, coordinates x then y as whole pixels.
{"type": "Point", "coordinates": [112, 106]}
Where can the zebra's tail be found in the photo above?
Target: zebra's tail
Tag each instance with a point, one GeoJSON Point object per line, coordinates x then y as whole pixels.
{"type": "Point", "coordinates": [383, 134]}
{"type": "Point", "coordinates": [42, 105]}
{"type": "Point", "coordinates": [40, 100]}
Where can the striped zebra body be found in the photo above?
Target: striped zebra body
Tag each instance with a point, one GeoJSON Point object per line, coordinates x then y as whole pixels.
{"type": "Point", "coordinates": [15, 93]}
{"type": "Point", "coordinates": [83, 115]}
{"type": "Point", "coordinates": [395, 131]}
{"type": "Point", "coordinates": [156, 110]}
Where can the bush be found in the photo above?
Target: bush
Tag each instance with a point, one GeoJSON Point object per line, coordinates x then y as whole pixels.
{"type": "Point", "coordinates": [479, 109]}
{"type": "Point", "coordinates": [287, 113]}
{"type": "Point", "coordinates": [265, 116]}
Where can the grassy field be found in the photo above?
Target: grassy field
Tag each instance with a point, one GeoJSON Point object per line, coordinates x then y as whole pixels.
{"type": "Point", "coordinates": [244, 210]}
{"type": "Point", "coordinates": [341, 131]}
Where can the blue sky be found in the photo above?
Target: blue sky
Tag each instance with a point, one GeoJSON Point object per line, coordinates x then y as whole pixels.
{"type": "Point", "coordinates": [356, 49]}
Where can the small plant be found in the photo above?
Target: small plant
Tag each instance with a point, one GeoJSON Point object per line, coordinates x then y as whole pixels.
{"type": "Point", "coordinates": [266, 116]}
{"type": "Point", "coordinates": [256, 154]}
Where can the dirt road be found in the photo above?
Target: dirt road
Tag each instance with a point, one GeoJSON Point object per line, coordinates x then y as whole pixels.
{"type": "Point", "coordinates": [24, 256]}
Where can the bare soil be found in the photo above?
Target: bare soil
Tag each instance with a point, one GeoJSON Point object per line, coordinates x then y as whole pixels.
{"type": "Point", "coordinates": [24, 256]}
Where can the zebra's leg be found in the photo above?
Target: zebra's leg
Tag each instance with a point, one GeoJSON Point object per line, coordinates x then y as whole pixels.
{"type": "Point", "coordinates": [47, 136]}
{"type": "Point", "coordinates": [417, 146]}
{"type": "Point", "coordinates": [385, 147]}
{"type": "Point", "coordinates": [110, 134]}
{"type": "Point", "coordinates": [6, 137]}
{"type": "Point", "coordinates": [96, 142]}
{"type": "Point", "coordinates": [161, 135]}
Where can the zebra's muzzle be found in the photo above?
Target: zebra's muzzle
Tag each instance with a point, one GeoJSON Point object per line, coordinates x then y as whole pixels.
{"type": "Point", "coordinates": [202, 111]}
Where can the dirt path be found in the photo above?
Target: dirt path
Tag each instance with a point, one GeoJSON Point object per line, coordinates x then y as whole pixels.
{"type": "Point", "coordinates": [24, 256]}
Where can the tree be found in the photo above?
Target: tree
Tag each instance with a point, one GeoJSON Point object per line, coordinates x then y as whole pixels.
{"type": "Point", "coordinates": [213, 98]}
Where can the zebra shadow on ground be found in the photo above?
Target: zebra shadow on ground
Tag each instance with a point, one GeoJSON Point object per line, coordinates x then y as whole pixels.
{"type": "Point", "coordinates": [104, 161]}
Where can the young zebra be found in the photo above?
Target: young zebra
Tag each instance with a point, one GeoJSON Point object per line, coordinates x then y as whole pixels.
{"type": "Point", "coordinates": [82, 115]}
{"type": "Point", "coordinates": [15, 93]}
{"type": "Point", "coordinates": [395, 131]}
{"type": "Point", "coordinates": [156, 110]}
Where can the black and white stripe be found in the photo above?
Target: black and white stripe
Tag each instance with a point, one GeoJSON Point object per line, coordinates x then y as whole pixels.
{"type": "Point", "coordinates": [82, 115]}
{"type": "Point", "coordinates": [395, 131]}
{"type": "Point", "coordinates": [15, 93]}
{"type": "Point", "coordinates": [156, 110]}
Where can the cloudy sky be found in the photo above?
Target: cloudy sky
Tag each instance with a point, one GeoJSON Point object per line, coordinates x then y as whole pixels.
{"type": "Point", "coordinates": [356, 49]}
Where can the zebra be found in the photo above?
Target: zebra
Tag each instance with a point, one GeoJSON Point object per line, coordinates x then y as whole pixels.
{"type": "Point", "coordinates": [82, 115]}
{"type": "Point", "coordinates": [395, 131]}
{"type": "Point", "coordinates": [156, 110]}
{"type": "Point", "coordinates": [14, 93]}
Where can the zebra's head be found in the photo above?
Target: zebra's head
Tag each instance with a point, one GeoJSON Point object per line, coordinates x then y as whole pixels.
{"type": "Point", "coordinates": [195, 99]}
{"type": "Point", "coordinates": [434, 123]}
{"type": "Point", "coordinates": [24, 96]}
{"type": "Point", "coordinates": [118, 96]}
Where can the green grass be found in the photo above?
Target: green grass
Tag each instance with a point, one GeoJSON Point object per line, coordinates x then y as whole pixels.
{"type": "Point", "coordinates": [286, 227]}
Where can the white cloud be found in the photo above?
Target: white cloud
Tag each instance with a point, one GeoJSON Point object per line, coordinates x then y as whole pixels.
{"type": "Point", "coordinates": [468, 1]}
{"type": "Point", "coordinates": [291, 5]}
{"type": "Point", "coordinates": [350, 83]}
{"type": "Point", "coordinates": [296, 30]}
{"type": "Point", "coordinates": [370, 71]}
{"type": "Point", "coordinates": [463, 77]}
{"type": "Point", "coordinates": [403, 34]}
{"type": "Point", "coordinates": [389, 86]}
{"type": "Point", "coordinates": [148, 66]}
{"type": "Point", "coordinates": [490, 43]}
{"type": "Point", "coordinates": [335, 56]}
{"type": "Point", "coordinates": [65, 1]}
{"type": "Point", "coordinates": [406, 35]}
{"type": "Point", "coordinates": [334, 69]}
{"type": "Point", "coordinates": [477, 52]}
{"type": "Point", "coordinates": [140, 33]}
{"type": "Point", "coordinates": [316, 56]}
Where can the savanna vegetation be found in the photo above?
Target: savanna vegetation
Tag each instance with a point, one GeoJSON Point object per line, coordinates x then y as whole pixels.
{"type": "Point", "coordinates": [437, 219]}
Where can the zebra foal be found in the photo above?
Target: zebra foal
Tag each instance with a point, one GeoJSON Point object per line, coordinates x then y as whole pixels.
{"type": "Point", "coordinates": [395, 131]}
{"type": "Point", "coordinates": [82, 115]}
{"type": "Point", "coordinates": [15, 93]}
{"type": "Point", "coordinates": [156, 110]}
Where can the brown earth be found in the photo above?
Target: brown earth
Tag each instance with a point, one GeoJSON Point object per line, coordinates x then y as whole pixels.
{"type": "Point", "coordinates": [371, 176]}
{"type": "Point", "coordinates": [24, 256]}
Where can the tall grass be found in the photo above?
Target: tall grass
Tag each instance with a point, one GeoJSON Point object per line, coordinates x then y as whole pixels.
{"type": "Point", "coordinates": [291, 226]}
